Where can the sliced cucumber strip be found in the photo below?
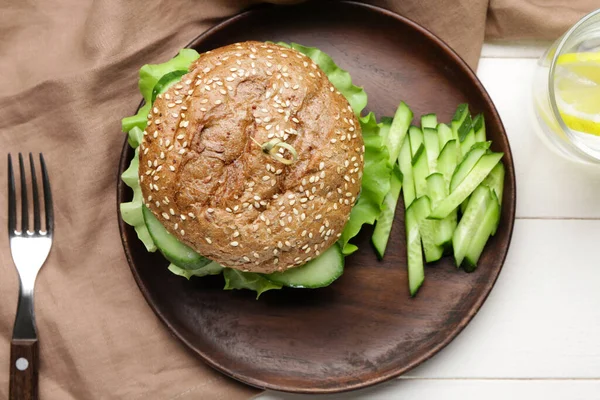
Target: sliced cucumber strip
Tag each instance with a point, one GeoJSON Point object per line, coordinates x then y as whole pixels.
{"type": "Point", "coordinates": [438, 190]}
{"type": "Point", "coordinates": [176, 252]}
{"type": "Point", "coordinates": [447, 161]}
{"type": "Point", "coordinates": [316, 273]}
{"type": "Point", "coordinates": [468, 142]}
{"type": "Point", "coordinates": [383, 228]}
{"type": "Point", "coordinates": [444, 134]}
{"type": "Point", "coordinates": [416, 270]}
{"type": "Point", "coordinates": [468, 163]}
{"type": "Point", "coordinates": [384, 130]}
{"type": "Point", "coordinates": [398, 130]}
{"type": "Point", "coordinates": [427, 230]}
{"type": "Point", "coordinates": [467, 186]}
{"type": "Point", "coordinates": [408, 183]}
{"type": "Point", "coordinates": [460, 115]}
{"type": "Point", "coordinates": [465, 128]}
{"type": "Point", "coordinates": [482, 235]}
{"type": "Point", "coordinates": [432, 145]}
{"type": "Point", "coordinates": [495, 181]}
{"type": "Point", "coordinates": [479, 128]}
{"type": "Point", "coordinates": [428, 121]}
{"type": "Point", "coordinates": [166, 81]}
{"type": "Point", "coordinates": [415, 136]}
{"type": "Point", "coordinates": [469, 223]}
{"type": "Point", "coordinates": [420, 171]}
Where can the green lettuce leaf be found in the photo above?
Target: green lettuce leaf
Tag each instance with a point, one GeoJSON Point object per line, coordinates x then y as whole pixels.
{"type": "Point", "coordinates": [338, 77]}
{"type": "Point", "coordinates": [235, 279]}
{"type": "Point", "coordinates": [375, 183]}
{"type": "Point", "coordinates": [149, 76]}
{"type": "Point", "coordinates": [151, 73]}
{"type": "Point", "coordinates": [131, 212]}
{"type": "Point", "coordinates": [210, 269]}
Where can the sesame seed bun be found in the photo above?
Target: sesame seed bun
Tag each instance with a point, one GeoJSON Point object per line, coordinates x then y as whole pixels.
{"type": "Point", "coordinates": [204, 176]}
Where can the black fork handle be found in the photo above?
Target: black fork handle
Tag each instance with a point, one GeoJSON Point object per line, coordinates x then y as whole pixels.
{"type": "Point", "coordinates": [23, 369]}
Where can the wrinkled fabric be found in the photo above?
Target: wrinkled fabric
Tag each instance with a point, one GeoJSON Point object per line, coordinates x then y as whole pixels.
{"type": "Point", "coordinates": [534, 19]}
{"type": "Point", "coordinates": [69, 74]}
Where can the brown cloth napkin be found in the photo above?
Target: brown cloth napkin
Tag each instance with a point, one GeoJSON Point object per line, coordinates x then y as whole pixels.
{"type": "Point", "coordinates": [69, 72]}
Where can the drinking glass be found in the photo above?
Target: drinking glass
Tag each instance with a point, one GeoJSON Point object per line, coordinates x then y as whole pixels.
{"type": "Point", "coordinates": [566, 92]}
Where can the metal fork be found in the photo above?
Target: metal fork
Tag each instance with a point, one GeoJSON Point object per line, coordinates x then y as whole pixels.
{"type": "Point", "coordinates": [29, 249]}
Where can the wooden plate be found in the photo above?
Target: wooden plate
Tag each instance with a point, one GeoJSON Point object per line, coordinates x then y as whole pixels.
{"type": "Point", "coordinates": [364, 328]}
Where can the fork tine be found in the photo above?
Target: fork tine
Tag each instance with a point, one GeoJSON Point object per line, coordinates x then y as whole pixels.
{"type": "Point", "coordinates": [47, 197]}
{"type": "Point", "coordinates": [12, 199]}
{"type": "Point", "coordinates": [35, 195]}
{"type": "Point", "coordinates": [24, 207]}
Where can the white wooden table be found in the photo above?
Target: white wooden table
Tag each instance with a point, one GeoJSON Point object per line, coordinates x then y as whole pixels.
{"type": "Point", "coordinates": [538, 334]}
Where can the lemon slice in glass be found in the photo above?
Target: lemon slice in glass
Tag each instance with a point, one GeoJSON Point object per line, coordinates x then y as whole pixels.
{"type": "Point", "coordinates": [577, 87]}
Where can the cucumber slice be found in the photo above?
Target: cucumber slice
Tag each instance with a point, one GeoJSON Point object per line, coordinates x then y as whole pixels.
{"type": "Point", "coordinates": [383, 228]}
{"type": "Point", "coordinates": [465, 127]}
{"type": "Point", "coordinates": [414, 254]}
{"type": "Point", "coordinates": [447, 161]}
{"type": "Point", "coordinates": [430, 138]}
{"type": "Point", "coordinates": [408, 183]}
{"type": "Point", "coordinates": [316, 273]}
{"type": "Point", "coordinates": [469, 223]}
{"type": "Point", "coordinates": [384, 130]}
{"type": "Point", "coordinates": [438, 190]}
{"type": "Point", "coordinates": [482, 235]}
{"type": "Point", "coordinates": [428, 121]}
{"type": "Point", "coordinates": [427, 230]}
{"type": "Point", "coordinates": [420, 171]}
{"type": "Point", "coordinates": [457, 120]}
{"type": "Point", "coordinates": [398, 130]}
{"type": "Point", "coordinates": [468, 142]}
{"type": "Point", "coordinates": [479, 128]}
{"type": "Point", "coordinates": [176, 252]}
{"type": "Point", "coordinates": [166, 81]}
{"type": "Point", "coordinates": [495, 181]}
{"type": "Point", "coordinates": [415, 136]}
{"type": "Point", "coordinates": [468, 163]}
{"type": "Point", "coordinates": [444, 134]}
{"type": "Point", "coordinates": [481, 170]}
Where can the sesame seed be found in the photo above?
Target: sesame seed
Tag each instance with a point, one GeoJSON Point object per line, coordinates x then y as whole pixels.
{"type": "Point", "coordinates": [236, 234]}
{"type": "Point", "coordinates": [165, 215]}
{"type": "Point", "coordinates": [182, 232]}
{"type": "Point", "coordinates": [280, 245]}
{"type": "Point", "coordinates": [234, 244]}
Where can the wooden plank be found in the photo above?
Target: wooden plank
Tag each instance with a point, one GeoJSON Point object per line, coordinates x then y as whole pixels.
{"type": "Point", "coordinates": [459, 389]}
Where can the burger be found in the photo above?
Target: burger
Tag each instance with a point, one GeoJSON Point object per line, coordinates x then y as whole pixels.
{"type": "Point", "coordinates": [252, 161]}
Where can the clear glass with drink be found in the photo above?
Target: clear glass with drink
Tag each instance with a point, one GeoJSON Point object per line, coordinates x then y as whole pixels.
{"type": "Point", "coordinates": [566, 92]}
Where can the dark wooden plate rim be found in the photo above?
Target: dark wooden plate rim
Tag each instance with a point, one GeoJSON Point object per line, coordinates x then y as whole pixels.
{"type": "Point", "coordinates": [383, 376]}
